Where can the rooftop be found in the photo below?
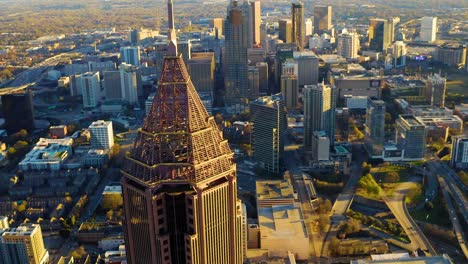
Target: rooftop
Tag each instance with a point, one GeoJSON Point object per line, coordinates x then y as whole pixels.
{"type": "Point", "coordinates": [276, 189]}
{"type": "Point", "coordinates": [268, 100]}
{"type": "Point", "coordinates": [281, 221]}
{"type": "Point", "coordinates": [444, 259]}
{"type": "Point", "coordinates": [100, 123]}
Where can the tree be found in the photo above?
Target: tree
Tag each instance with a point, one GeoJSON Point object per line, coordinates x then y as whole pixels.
{"type": "Point", "coordinates": [392, 177]}
{"type": "Point", "coordinates": [323, 221]}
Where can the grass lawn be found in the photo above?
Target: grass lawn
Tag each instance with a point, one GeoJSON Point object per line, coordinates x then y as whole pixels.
{"type": "Point", "coordinates": [438, 215]}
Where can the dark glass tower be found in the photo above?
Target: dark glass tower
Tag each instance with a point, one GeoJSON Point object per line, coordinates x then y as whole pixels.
{"type": "Point", "coordinates": [18, 111]}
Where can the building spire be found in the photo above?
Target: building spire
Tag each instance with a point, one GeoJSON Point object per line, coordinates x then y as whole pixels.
{"type": "Point", "coordinates": [172, 49]}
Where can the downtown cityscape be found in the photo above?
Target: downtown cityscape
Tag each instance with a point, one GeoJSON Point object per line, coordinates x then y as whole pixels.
{"type": "Point", "coordinates": [233, 131]}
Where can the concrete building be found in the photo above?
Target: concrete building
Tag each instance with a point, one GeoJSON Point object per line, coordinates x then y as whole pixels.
{"type": "Point", "coordinates": [348, 45]}
{"type": "Point", "coordinates": [90, 89]}
{"type": "Point", "coordinates": [217, 24]}
{"type": "Point", "coordinates": [459, 155]}
{"type": "Point", "coordinates": [410, 137]}
{"type": "Point", "coordinates": [436, 87]}
{"type": "Point", "coordinates": [290, 90]}
{"type": "Point", "coordinates": [320, 146]}
{"type": "Point", "coordinates": [375, 128]}
{"type": "Point", "coordinates": [356, 102]}
{"type": "Point", "coordinates": [269, 130]}
{"type": "Point", "coordinates": [322, 18]}
{"type": "Point", "coordinates": [378, 34]}
{"type": "Point", "coordinates": [22, 245]}
{"type": "Point", "coordinates": [357, 86]}
{"type": "Point", "coordinates": [307, 66]}
{"type": "Point", "coordinates": [399, 52]}
{"type": "Point", "coordinates": [102, 134]}
{"type": "Point", "coordinates": [319, 112]}
{"type": "Point", "coordinates": [452, 54]}
{"type": "Point", "coordinates": [255, 20]}
{"type": "Point", "coordinates": [428, 31]}
{"type": "Point", "coordinates": [130, 79]}
{"type": "Point", "coordinates": [298, 25]}
{"type": "Point", "coordinates": [101, 66]}
{"type": "Point", "coordinates": [453, 122]}
{"type": "Point", "coordinates": [112, 85]}
{"type": "Point", "coordinates": [201, 69]}
{"type": "Point", "coordinates": [309, 27]}
{"type": "Point", "coordinates": [253, 82]}
{"type": "Point", "coordinates": [130, 55]}
{"type": "Point", "coordinates": [47, 154]}
{"type": "Point", "coordinates": [285, 30]}
{"type": "Point", "coordinates": [58, 131]}
{"type": "Point", "coordinates": [263, 77]}
{"type": "Point", "coordinates": [235, 64]}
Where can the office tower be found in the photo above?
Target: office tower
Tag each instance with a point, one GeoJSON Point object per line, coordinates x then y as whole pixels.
{"type": "Point", "coordinates": [320, 146]}
{"type": "Point", "coordinates": [75, 85]}
{"type": "Point", "coordinates": [308, 67]}
{"type": "Point", "coordinates": [112, 85]}
{"type": "Point", "coordinates": [375, 127]}
{"type": "Point", "coordinates": [298, 25]}
{"type": "Point", "coordinates": [348, 44]}
{"type": "Point", "coordinates": [410, 137]}
{"type": "Point", "coordinates": [253, 82]}
{"type": "Point", "coordinates": [289, 86]}
{"type": "Point", "coordinates": [102, 134]}
{"type": "Point", "coordinates": [236, 43]}
{"type": "Point", "coordinates": [90, 89]}
{"type": "Point", "coordinates": [399, 54]}
{"type": "Point", "coordinates": [133, 37]}
{"type": "Point", "coordinates": [130, 55]}
{"type": "Point", "coordinates": [391, 28]}
{"type": "Point", "coordinates": [322, 18]}
{"type": "Point", "coordinates": [217, 24]}
{"type": "Point", "coordinates": [202, 70]}
{"type": "Point", "coordinates": [254, 22]}
{"type": "Point", "coordinates": [459, 156]}
{"type": "Point", "coordinates": [319, 112]}
{"type": "Point", "coordinates": [378, 34]}
{"type": "Point", "coordinates": [309, 27]}
{"type": "Point", "coordinates": [179, 182]}
{"type": "Point", "coordinates": [23, 244]}
{"type": "Point", "coordinates": [435, 89]}
{"type": "Point", "coordinates": [129, 82]}
{"type": "Point", "coordinates": [285, 30]}
{"type": "Point", "coordinates": [428, 29]}
{"type": "Point", "coordinates": [263, 77]}
{"type": "Point", "coordinates": [18, 111]}
{"type": "Point", "coordinates": [185, 48]}
{"type": "Point", "coordinates": [269, 119]}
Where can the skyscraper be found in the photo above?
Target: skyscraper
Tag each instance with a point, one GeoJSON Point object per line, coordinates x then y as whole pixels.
{"type": "Point", "coordinates": [129, 82]}
{"type": "Point", "coordinates": [410, 136]}
{"type": "Point", "coordinates": [23, 244]}
{"type": "Point", "coordinates": [130, 55]}
{"type": "Point", "coordinates": [236, 31]}
{"type": "Point", "coordinates": [269, 119]}
{"type": "Point", "coordinates": [112, 85]}
{"type": "Point", "coordinates": [289, 84]}
{"type": "Point", "coordinates": [348, 44]}
{"type": "Point", "coordinates": [90, 88]}
{"type": "Point", "coordinates": [202, 71]}
{"type": "Point", "coordinates": [217, 24]}
{"type": "Point", "coordinates": [254, 82]}
{"type": "Point", "coordinates": [375, 127]}
{"type": "Point", "coordinates": [428, 29]}
{"type": "Point", "coordinates": [179, 182]}
{"type": "Point", "coordinates": [255, 20]}
{"type": "Point", "coordinates": [285, 30]}
{"type": "Point", "coordinates": [18, 111]}
{"type": "Point", "coordinates": [322, 18]}
{"type": "Point", "coordinates": [308, 67]}
{"type": "Point", "coordinates": [378, 34]}
{"type": "Point", "coordinates": [435, 89]}
{"type": "Point", "coordinates": [319, 112]}
{"type": "Point", "coordinates": [298, 25]}
{"type": "Point", "coordinates": [102, 134]}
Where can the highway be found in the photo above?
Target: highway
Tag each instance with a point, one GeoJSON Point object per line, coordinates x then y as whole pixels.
{"type": "Point", "coordinates": [457, 228]}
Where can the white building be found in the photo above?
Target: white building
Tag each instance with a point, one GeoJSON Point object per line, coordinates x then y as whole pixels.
{"type": "Point", "coordinates": [130, 55]}
{"type": "Point", "coordinates": [48, 154]}
{"type": "Point", "coordinates": [102, 134]}
{"type": "Point", "coordinates": [348, 44]}
{"type": "Point", "coordinates": [460, 152]}
{"type": "Point", "coordinates": [309, 27]}
{"type": "Point", "coordinates": [428, 29]}
{"type": "Point", "coordinates": [399, 54]}
{"type": "Point", "coordinates": [129, 82]}
{"type": "Point", "coordinates": [90, 88]}
{"type": "Point", "coordinates": [320, 146]}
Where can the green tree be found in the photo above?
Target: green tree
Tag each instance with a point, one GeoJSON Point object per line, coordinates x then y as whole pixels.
{"type": "Point", "coordinates": [392, 177]}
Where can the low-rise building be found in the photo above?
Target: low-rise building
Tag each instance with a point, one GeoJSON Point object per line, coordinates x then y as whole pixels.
{"type": "Point", "coordinates": [48, 154]}
{"type": "Point", "coordinates": [58, 131]}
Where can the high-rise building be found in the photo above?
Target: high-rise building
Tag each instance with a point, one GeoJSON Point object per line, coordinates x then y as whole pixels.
{"type": "Point", "coordinates": [263, 77]}
{"type": "Point", "coordinates": [179, 181]}
{"type": "Point", "coordinates": [290, 90]}
{"type": "Point", "coordinates": [459, 157]}
{"type": "Point", "coordinates": [322, 18]}
{"type": "Point", "coordinates": [399, 54]}
{"type": "Point", "coordinates": [320, 146]}
{"type": "Point", "coordinates": [102, 134]}
{"type": "Point", "coordinates": [130, 55]}
{"type": "Point", "coordinates": [428, 31]}
{"type": "Point", "coordinates": [308, 67]}
{"type": "Point", "coordinates": [112, 85]}
{"type": "Point", "coordinates": [375, 127]}
{"type": "Point", "coordinates": [319, 112]}
{"type": "Point", "coordinates": [90, 88]}
{"type": "Point", "coordinates": [269, 128]}
{"type": "Point", "coordinates": [253, 82]}
{"type": "Point", "coordinates": [309, 27]}
{"type": "Point", "coordinates": [285, 30]}
{"type": "Point", "coordinates": [298, 25]}
{"type": "Point", "coordinates": [217, 24]}
{"type": "Point", "coordinates": [75, 85]}
{"type": "Point", "coordinates": [348, 44]}
{"type": "Point", "coordinates": [23, 244]}
{"type": "Point", "coordinates": [18, 111]}
{"type": "Point", "coordinates": [410, 136]}
{"type": "Point", "coordinates": [236, 31]}
{"type": "Point", "coordinates": [202, 70]}
{"type": "Point", "coordinates": [185, 49]}
{"type": "Point", "coordinates": [133, 37]}
{"type": "Point", "coordinates": [452, 54]}
{"type": "Point", "coordinates": [436, 87]}
{"type": "Point", "coordinates": [129, 76]}
{"type": "Point", "coordinates": [378, 34]}
{"type": "Point", "coordinates": [255, 20]}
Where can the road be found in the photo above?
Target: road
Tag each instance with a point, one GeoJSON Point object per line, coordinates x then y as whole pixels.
{"type": "Point", "coordinates": [457, 228]}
